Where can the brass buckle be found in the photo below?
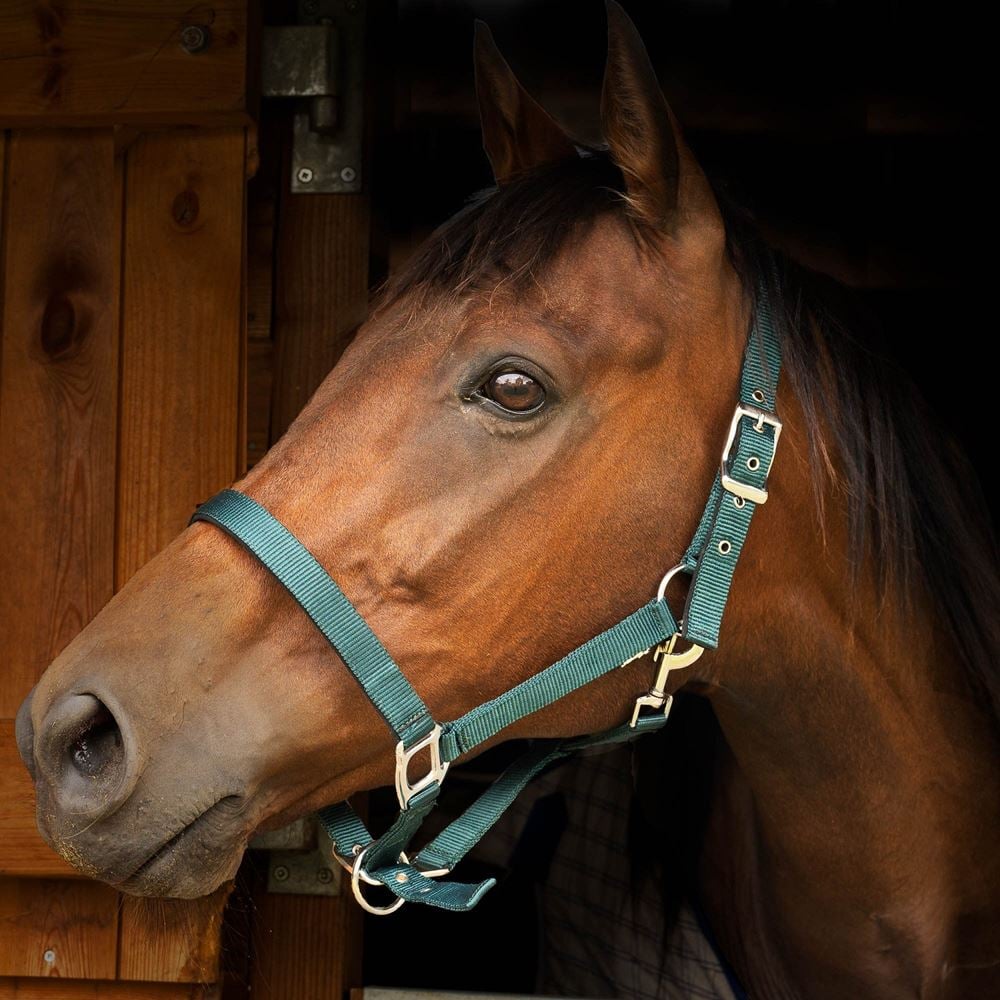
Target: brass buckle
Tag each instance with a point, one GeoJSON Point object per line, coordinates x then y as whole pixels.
{"type": "Point", "coordinates": [760, 419]}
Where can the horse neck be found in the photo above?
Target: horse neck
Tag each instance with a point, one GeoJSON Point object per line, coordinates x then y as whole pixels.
{"type": "Point", "coordinates": [852, 841]}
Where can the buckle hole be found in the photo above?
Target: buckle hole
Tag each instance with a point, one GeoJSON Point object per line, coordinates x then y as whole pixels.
{"type": "Point", "coordinates": [758, 396]}
{"type": "Point", "coordinates": [753, 463]}
{"type": "Point", "coordinates": [724, 547]}
{"type": "Point", "coordinates": [739, 502]}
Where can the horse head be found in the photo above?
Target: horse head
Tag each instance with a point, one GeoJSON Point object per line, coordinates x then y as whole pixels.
{"type": "Point", "coordinates": [517, 444]}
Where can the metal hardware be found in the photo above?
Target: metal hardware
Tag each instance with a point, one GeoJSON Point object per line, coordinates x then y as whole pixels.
{"type": "Point", "coordinates": [320, 62]}
{"type": "Point", "coordinates": [760, 418]}
{"type": "Point", "coordinates": [664, 583]}
{"type": "Point", "coordinates": [660, 592]}
{"type": "Point", "coordinates": [195, 38]}
{"type": "Point", "coordinates": [657, 698]}
{"type": "Point", "coordinates": [403, 860]}
{"type": "Point", "coordinates": [405, 789]}
{"type": "Point", "coordinates": [725, 547]}
{"type": "Point", "coordinates": [359, 875]}
{"type": "Point", "coordinates": [305, 873]}
{"type": "Point", "coordinates": [297, 836]}
{"type": "Point", "coordinates": [426, 872]}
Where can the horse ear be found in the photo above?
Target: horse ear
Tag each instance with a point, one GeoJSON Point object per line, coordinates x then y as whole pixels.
{"type": "Point", "coordinates": [518, 133]}
{"type": "Point", "coordinates": [663, 182]}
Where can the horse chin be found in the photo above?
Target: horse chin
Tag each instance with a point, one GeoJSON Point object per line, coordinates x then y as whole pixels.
{"type": "Point", "coordinates": [193, 861]}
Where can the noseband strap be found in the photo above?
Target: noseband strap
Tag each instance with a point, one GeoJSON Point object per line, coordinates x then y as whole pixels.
{"type": "Point", "coordinates": [739, 487]}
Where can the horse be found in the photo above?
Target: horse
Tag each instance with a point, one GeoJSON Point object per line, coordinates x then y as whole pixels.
{"type": "Point", "coordinates": [516, 445]}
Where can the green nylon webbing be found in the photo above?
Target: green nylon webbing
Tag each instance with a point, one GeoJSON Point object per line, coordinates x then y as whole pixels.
{"type": "Point", "coordinates": [460, 836]}
{"type": "Point", "coordinates": [325, 603]}
{"type": "Point", "coordinates": [642, 630]}
{"type": "Point", "coordinates": [718, 541]}
{"type": "Point", "coordinates": [651, 625]}
{"type": "Point", "coordinates": [451, 845]}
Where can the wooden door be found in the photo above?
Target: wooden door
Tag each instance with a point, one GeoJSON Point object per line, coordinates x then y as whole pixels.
{"type": "Point", "coordinates": [130, 314]}
{"type": "Point", "coordinates": [121, 271]}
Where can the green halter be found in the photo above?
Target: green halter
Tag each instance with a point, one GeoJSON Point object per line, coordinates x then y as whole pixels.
{"type": "Point", "coordinates": [739, 487]}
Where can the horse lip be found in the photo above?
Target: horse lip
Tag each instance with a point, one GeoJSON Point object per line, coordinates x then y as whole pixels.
{"type": "Point", "coordinates": [168, 845]}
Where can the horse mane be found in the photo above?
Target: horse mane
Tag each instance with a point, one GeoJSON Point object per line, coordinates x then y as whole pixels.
{"type": "Point", "coordinates": [913, 501]}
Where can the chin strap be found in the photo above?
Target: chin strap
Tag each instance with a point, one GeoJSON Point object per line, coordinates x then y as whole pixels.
{"type": "Point", "coordinates": [739, 487]}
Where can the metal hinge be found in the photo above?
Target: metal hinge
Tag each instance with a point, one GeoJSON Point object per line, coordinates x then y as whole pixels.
{"type": "Point", "coordinates": [300, 860]}
{"type": "Point", "coordinates": [320, 63]}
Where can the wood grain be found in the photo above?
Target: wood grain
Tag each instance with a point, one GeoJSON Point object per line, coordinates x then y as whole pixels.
{"type": "Point", "coordinates": [51, 927]}
{"type": "Point", "coordinates": [23, 851]}
{"type": "Point", "coordinates": [310, 946]}
{"type": "Point", "coordinates": [58, 397]}
{"type": "Point", "coordinates": [181, 396]}
{"type": "Point", "coordinates": [181, 334]}
{"type": "Point", "coordinates": [108, 62]}
{"type": "Point", "coordinates": [260, 380]}
{"type": "Point", "coordinates": [306, 946]}
{"type": "Point", "coordinates": [74, 989]}
{"type": "Point", "coordinates": [171, 940]}
{"type": "Point", "coordinates": [321, 293]}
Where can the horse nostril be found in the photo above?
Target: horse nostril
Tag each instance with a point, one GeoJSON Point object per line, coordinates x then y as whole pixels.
{"type": "Point", "coordinates": [98, 746]}
{"type": "Point", "coordinates": [82, 755]}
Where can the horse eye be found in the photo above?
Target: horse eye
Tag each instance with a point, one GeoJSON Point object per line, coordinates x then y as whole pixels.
{"type": "Point", "coordinates": [516, 392]}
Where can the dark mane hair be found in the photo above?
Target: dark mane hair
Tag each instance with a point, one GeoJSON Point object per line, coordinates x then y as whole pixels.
{"type": "Point", "coordinates": [913, 503]}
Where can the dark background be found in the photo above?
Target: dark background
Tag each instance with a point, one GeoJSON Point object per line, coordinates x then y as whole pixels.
{"type": "Point", "coordinates": [854, 132]}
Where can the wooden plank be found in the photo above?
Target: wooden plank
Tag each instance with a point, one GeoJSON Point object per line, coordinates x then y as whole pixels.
{"type": "Point", "coordinates": [321, 293]}
{"type": "Point", "coordinates": [50, 927]}
{"type": "Point", "coordinates": [306, 946]}
{"type": "Point", "coordinates": [261, 218]}
{"type": "Point", "coordinates": [310, 946]}
{"type": "Point", "coordinates": [23, 851]}
{"type": "Point", "coordinates": [75, 989]}
{"type": "Point", "coordinates": [104, 62]}
{"type": "Point", "coordinates": [171, 940]}
{"type": "Point", "coordinates": [181, 336]}
{"type": "Point", "coordinates": [260, 379]}
{"type": "Point", "coordinates": [181, 372]}
{"type": "Point", "coordinates": [58, 396]}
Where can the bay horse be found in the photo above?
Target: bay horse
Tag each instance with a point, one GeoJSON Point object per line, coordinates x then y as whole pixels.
{"type": "Point", "coordinates": [516, 445]}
